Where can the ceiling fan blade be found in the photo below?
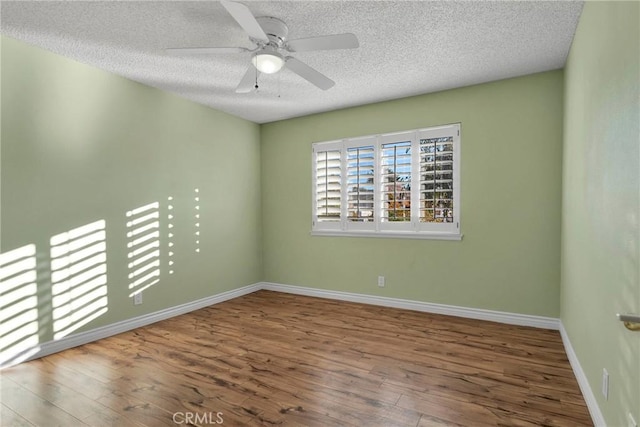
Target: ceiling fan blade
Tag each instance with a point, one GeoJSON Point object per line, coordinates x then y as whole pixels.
{"type": "Point", "coordinates": [180, 51]}
{"type": "Point", "coordinates": [310, 74]}
{"type": "Point", "coordinates": [247, 84]}
{"type": "Point", "coordinates": [335, 41]}
{"type": "Point", "coordinates": [245, 18]}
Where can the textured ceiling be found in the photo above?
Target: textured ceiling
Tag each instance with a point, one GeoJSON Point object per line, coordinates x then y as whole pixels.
{"type": "Point", "coordinates": [406, 47]}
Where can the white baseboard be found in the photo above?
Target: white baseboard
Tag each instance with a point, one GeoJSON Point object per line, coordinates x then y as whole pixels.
{"type": "Point", "coordinates": [585, 388]}
{"type": "Point", "coordinates": [81, 338]}
{"type": "Point", "coordinates": [451, 310]}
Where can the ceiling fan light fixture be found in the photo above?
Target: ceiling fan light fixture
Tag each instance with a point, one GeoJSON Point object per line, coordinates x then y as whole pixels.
{"type": "Point", "coordinates": [268, 62]}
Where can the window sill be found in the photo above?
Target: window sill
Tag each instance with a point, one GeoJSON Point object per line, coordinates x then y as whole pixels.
{"type": "Point", "coordinates": [389, 234]}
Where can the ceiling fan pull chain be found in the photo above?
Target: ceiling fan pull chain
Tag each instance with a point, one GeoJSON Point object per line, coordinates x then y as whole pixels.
{"type": "Point", "coordinates": [256, 86]}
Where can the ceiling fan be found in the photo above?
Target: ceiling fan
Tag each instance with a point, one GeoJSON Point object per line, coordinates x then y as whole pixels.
{"type": "Point", "coordinates": [272, 48]}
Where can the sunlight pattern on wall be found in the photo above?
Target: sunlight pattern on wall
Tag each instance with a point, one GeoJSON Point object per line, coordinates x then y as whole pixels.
{"type": "Point", "coordinates": [170, 233]}
{"type": "Point", "coordinates": [143, 224]}
{"type": "Point", "coordinates": [78, 277]}
{"type": "Point", "coordinates": [196, 199]}
{"type": "Point", "coordinates": [18, 305]}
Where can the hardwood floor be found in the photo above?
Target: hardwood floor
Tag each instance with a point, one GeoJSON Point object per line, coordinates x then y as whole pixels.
{"type": "Point", "coordinates": [276, 359]}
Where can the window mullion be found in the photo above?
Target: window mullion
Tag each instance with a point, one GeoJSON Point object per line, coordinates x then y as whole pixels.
{"type": "Point", "coordinates": [456, 178]}
{"type": "Point", "coordinates": [377, 182]}
{"type": "Point", "coordinates": [343, 191]}
{"type": "Point", "coordinates": [358, 183]}
{"type": "Point", "coordinates": [435, 178]}
{"type": "Point", "coordinates": [415, 181]}
{"type": "Point", "coordinates": [395, 182]}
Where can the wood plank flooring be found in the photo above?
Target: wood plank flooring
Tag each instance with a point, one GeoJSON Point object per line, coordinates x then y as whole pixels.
{"type": "Point", "coordinates": [276, 359]}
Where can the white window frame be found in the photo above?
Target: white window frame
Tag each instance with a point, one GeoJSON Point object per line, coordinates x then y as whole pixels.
{"type": "Point", "coordinates": [413, 229]}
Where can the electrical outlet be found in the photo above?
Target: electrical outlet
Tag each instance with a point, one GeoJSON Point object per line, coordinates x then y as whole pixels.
{"type": "Point", "coordinates": [381, 281]}
{"type": "Point", "coordinates": [137, 298]}
{"type": "Point", "coordinates": [605, 384]}
{"type": "Point", "coordinates": [632, 422]}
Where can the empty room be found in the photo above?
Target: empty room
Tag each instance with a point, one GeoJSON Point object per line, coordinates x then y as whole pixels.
{"type": "Point", "coordinates": [320, 213]}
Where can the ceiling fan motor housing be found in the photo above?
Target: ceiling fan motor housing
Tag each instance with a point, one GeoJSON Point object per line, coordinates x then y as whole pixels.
{"type": "Point", "coordinates": [275, 29]}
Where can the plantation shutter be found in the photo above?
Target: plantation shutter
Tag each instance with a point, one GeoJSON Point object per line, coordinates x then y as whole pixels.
{"type": "Point", "coordinates": [402, 184]}
{"type": "Point", "coordinates": [360, 168]}
{"type": "Point", "coordinates": [327, 186]}
{"type": "Point", "coordinates": [395, 177]}
{"type": "Point", "coordinates": [438, 172]}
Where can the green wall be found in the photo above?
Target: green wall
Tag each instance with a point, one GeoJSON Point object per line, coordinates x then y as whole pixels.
{"type": "Point", "coordinates": [81, 145]}
{"type": "Point", "coordinates": [509, 259]}
{"type": "Point", "coordinates": [601, 202]}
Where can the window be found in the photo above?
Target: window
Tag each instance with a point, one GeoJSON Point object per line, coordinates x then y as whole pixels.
{"type": "Point", "coordinates": [404, 184]}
